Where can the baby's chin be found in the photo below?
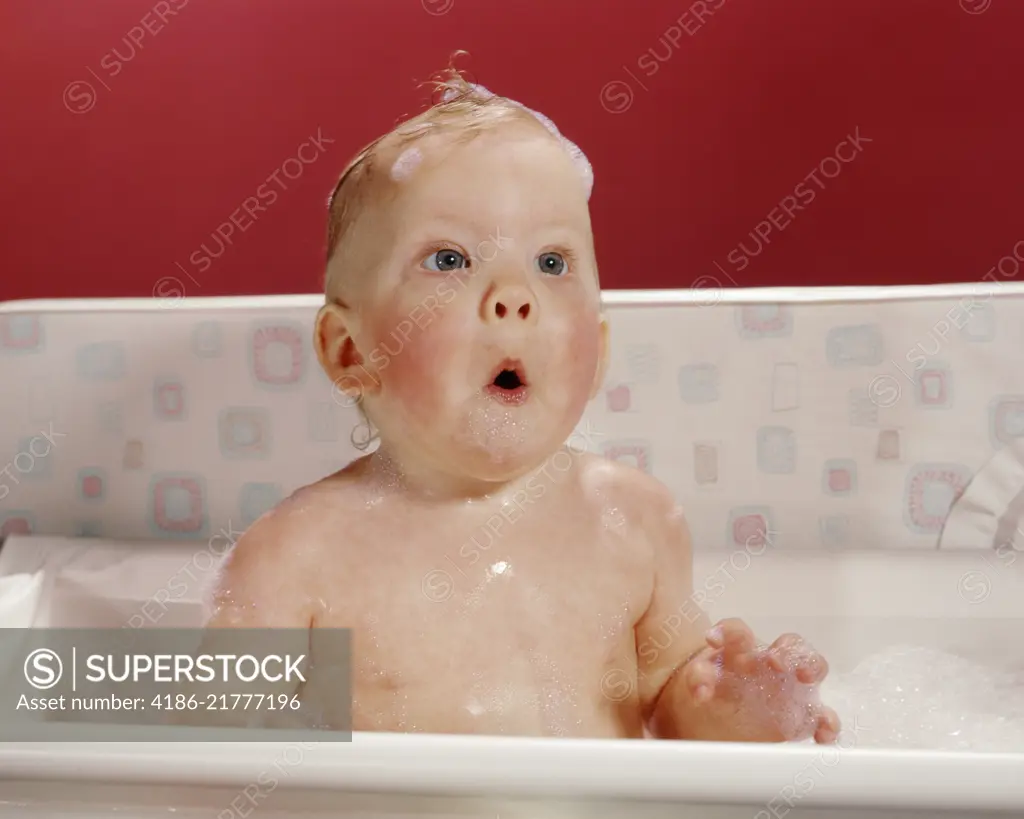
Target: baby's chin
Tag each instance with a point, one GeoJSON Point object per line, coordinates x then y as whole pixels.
{"type": "Point", "coordinates": [489, 440]}
{"type": "Point", "coordinates": [496, 454]}
{"type": "Point", "coordinates": [497, 443]}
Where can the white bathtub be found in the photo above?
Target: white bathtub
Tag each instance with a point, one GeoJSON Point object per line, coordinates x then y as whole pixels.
{"type": "Point", "coordinates": [849, 604]}
{"type": "Point", "coordinates": [134, 399]}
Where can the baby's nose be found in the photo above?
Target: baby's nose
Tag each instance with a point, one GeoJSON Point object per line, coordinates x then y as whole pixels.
{"type": "Point", "coordinates": [510, 303]}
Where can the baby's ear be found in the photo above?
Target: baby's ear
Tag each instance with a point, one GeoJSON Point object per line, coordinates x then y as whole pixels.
{"type": "Point", "coordinates": [602, 361]}
{"type": "Point", "coordinates": [336, 350]}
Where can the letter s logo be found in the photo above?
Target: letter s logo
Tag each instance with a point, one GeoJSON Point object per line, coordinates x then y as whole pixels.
{"type": "Point", "coordinates": [40, 671]}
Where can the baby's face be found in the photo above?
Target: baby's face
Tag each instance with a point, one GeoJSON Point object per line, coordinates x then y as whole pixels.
{"type": "Point", "coordinates": [482, 322]}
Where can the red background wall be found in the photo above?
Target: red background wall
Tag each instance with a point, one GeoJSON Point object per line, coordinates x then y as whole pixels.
{"type": "Point", "coordinates": [110, 194]}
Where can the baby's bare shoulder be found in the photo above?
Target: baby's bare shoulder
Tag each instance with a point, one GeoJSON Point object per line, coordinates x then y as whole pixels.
{"type": "Point", "coordinates": [270, 576]}
{"type": "Point", "coordinates": [298, 519]}
{"type": "Point", "coordinates": [641, 496]}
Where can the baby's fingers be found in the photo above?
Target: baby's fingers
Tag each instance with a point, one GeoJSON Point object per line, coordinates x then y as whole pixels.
{"type": "Point", "coordinates": [700, 677]}
{"type": "Point", "coordinates": [792, 654]}
{"type": "Point", "coordinates": [735, 645]}
{"type": "Point", "coordinates": [811, 668]}
{"type": "Point", "coordinates": [733, 635]}
{"type": "Point", "coordinates": [827, 730]}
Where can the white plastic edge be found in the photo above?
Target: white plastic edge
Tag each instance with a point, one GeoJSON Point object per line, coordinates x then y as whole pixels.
{"type": "Point", "coordinates": [722, 773]}
{"type": "Point", "coordinates": [707, 296]}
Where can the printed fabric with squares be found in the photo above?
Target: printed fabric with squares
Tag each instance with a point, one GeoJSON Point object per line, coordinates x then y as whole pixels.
{"type": "Point", "coordinates": [803, 425]}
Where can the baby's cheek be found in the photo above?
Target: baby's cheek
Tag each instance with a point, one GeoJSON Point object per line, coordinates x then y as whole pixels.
{"type": "Point", "coordinates": [412, 367]}
{"type": "Point", "coordinates": [582, 345]}
{"type": "Point", "coordinates": [413, 380]}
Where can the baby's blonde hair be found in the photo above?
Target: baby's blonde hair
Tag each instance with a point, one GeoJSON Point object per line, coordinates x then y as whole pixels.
{"type": "Point", "coordinates": [457, 106]}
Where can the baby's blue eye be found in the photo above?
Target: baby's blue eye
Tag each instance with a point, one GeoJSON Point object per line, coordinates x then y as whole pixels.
{"type": "Point", "coordinates": [551, 263]}
{"type": "Point", "coordinates": [445, 260]}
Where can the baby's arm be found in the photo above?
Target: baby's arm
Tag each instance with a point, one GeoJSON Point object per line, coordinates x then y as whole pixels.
{"type": "Point", "coordinates": [716, 684]}
{"type": "Point", "coordinates": [260, 586]}
{"type": "Point", "coordinates": [673, 629]}
{"type": "Point", "coordinates": [262, 583]}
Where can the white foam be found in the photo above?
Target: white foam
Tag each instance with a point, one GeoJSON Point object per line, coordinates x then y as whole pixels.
{"type": "Point", "coordinates": [918, 698]}
{"type": "Point", "coordinates": [499, 430]}
{"type": "Point", "coordinates": [406, 163]}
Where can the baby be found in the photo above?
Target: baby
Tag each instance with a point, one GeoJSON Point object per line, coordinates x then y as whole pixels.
{"type": "Point", "coordinates": [463, 314]}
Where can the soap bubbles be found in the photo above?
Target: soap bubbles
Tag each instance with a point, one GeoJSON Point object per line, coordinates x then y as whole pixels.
{"type": "Point", "coordinates": [920, 698]}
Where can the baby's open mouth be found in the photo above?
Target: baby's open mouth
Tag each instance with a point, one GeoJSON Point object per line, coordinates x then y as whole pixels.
{"type": "Point", "coordinates": [508, 383]}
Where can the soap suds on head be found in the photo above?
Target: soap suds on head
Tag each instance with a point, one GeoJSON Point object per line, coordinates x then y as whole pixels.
{"type": "Point", "coordinates": [406, 163]}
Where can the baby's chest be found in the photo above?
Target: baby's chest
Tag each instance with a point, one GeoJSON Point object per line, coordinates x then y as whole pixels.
{"type": "Point", "coordinates": [483, 597]}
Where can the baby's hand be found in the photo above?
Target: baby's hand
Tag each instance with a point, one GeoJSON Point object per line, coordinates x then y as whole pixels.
{"type": "Point", "coordinates": [766, 695]}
